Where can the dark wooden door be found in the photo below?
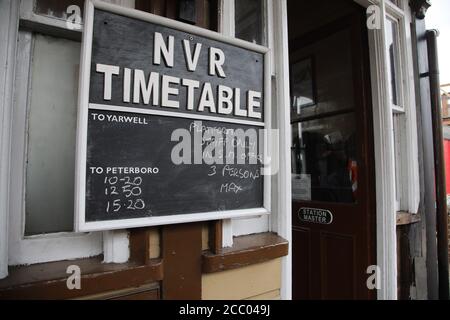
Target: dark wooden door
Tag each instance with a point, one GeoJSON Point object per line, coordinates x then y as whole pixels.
{"type": "Point", "coordinates": [333, 208]}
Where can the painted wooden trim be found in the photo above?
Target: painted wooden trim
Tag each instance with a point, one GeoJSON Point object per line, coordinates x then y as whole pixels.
{"type": "Point", "coordinates": [215, 237]}
{"type": "Point", "coordinates": [145, 292]}
{"type": "Point", "coordinates": [116, 246]}
{"type": "Point", "coordinates": [384, 161]}
{"type": "Point", "coordinates": [411, 131]}
{"type": "Point", "coordinates": [227, 28]}
{"type": "Point", "coordinates": [48, 280]}
{"type": "Point", "coordinates": [246, 250]}
{"type": "Point", "coordinates": [226, 18]}
{"type": "Point", "coordinates": [40, 248]}
{"type": "Point", "coordinates": [394, 10]}
{"type": "Point", "coordinates": [169, 220]}
{"type": "Point", "coordinates": [83, 102]}
{"type": "Point", "coordinates": [408, 147]}
{"type": "Point", "coordinates": [9, 11]}
{"type": "Point", "coordinates": [139, 245]}
{"type": "Point", "coordinates": [253, 225]}
{"type": "Point", "coordinates": [182, 262]}
{"type": "Point", "coordinates": [384, 164]}
{"type": "Point", "coordinates": [282, 219]}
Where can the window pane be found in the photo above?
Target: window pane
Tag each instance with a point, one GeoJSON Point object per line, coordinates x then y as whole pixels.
{"type": "Point", "coordinates": [249, 21]}
{"type": "Point", "coordinates": [202, 13]}
{"type": "Point", "coordinates": [51, 136]}
{"type": "Point", "coordinates": [56, 8]}
{"type": "Point", "coordinates": [324, 163]}
{"type": "Point", "coordinates": [322, 79]}
{"type": "Point", "coordinates": [397, 121]}
{"type": "Point", "coordinates": [392, 58]}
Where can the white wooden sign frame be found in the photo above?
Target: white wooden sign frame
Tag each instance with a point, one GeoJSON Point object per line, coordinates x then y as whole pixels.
{"type": "Point", "coordinates": [81, 225]}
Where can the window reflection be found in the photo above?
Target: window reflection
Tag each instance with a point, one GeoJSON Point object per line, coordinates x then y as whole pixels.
{"type": "Point", "coordinates": [322, 79]}
{"type": "Point", "coordinates": [324, 159]}
{"type": "Point", "coordinates": [392, 54]}
{"type": "Point", "coordinates": [56, 8]}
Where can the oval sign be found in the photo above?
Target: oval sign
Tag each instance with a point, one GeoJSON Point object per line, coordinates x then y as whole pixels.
{"type": "Point", "coordinates": [318, 216]}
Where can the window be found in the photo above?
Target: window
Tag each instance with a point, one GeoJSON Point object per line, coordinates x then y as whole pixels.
{"type": "Point", "coordinates": [392, 48]}
{"type": "Point", "coordinates": [43, 146]}
{"type": "Point", "coordinates": [324, 136]}
{"type": "Point", "coordinates": [202, 13]}
{"type": "Point", "coordinates": [50, 166]}
{"type": "Point", "coordinates": [249, 21]}
{"type": "Point", "coordinates": [56, 8]}
{"type": "Point", "coordinates": [397, 61]}
{"type": "Point", "coordinates": [394, 78]}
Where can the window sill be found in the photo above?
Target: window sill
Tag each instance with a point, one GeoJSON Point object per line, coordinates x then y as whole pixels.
{"type": "Point", "coordinates": [48, 280]}
{"type": "Point", "coordinates": [246, 250]}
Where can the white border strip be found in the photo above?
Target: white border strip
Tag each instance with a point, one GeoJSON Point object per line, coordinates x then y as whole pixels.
{"type": "Point", "coordinates": [194, 116]}
{"type": "Point", "coordinates": [170, 219]}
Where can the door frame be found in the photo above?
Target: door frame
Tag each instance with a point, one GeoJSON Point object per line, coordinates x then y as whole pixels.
{"type": "Point", "coordinates": [386, 247]}
{"type": "Point", "coordinates": [385, 170]}
{"type": "Point", "coordinates": [384, 163]}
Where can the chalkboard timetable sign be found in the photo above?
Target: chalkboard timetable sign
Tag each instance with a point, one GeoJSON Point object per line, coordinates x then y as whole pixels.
{"type": "Point", "coordinates": [172, 123]}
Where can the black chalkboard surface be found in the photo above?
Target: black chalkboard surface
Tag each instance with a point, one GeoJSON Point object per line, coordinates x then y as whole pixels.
{"type": "Point", "coordinates": [129, 154]}
{"type": "Point", "coordinates": [173, 189]}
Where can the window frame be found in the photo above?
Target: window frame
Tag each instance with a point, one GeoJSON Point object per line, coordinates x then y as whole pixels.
{"type": "Point", "coordinates": [398, 65]}
{"type": "Point", "coordinates": [404, 126]}
{"type": "Point", "coordinates": [264, 24]}
{"type": "Point", "coordinates": [398, 110]}
{"type": "Point", "coordinates": [45, 247]}
{"type": "Point", "coordinates": [55, 246]}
